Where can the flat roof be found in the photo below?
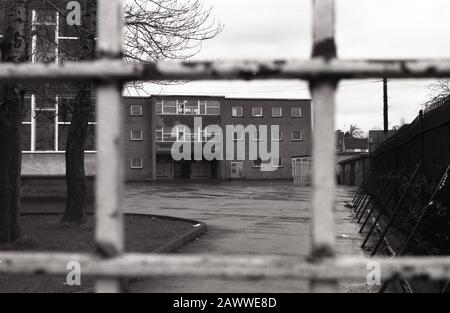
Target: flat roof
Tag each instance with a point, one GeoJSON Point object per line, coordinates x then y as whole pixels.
{"type": "Point", "coordinates": [223, 97]}
{"type": "Point", "coordinates": [269, 99]}
{"type": "Point", "coordinates": [355, 158]}
{"type": "Point", "coordinates": [179, 96]}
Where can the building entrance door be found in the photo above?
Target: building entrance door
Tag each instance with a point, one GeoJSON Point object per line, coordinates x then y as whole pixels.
{"type": "Point", "coordinates": [301, 171]}
{"type": "Point", "coordinates": [182, 169]}
{"type": "Point", "coordinates": [237, 170]}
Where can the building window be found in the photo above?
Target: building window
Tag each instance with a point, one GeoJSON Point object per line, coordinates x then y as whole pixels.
{"type": "Point", "coordinates": [257, 136]}
{"type": "Point", "coordinates": [168, 107]}
{"type": "Point", "coordinates": [183, 134]}
{"type": "Point", "coordinates": [181, 107]}
{"type": "Point", "coordinates": [212, 107]}
{"type": "Point", "coordinates": [296, 112]}
{"type": "Point", "coordinates": [277, 163]}
{"type": "Point", "coordinates": [136, 135]}
{"type": "Point", "coordinates": [237, 112]}
{"type": "Point", "coordinates": [237, 169]}
{"type": "Point", "coordinates": [45, 36]}
{"type": "Point", "coordinates": [257, 163]}
{"type": "Point", "coordinates": [277, 112]}
{"type": "Point", "coordinates": [277, 136]}
{"type": "Point", "coordinates": [46, 123]}
{"type": "Point", "coordinates": [257, 112]}
{"type": "Point", "coordinates": [137, 163]}
{"type": "Point", "coordinates": [188, 107]}
{"type": "Point", "coordinates": [297, 135]}
{"type": "Point", "coordinates": [136, 110]}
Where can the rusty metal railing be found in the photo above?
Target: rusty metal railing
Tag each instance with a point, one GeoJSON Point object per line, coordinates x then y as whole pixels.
{"type": "Point", "coordinates": [323, 269]}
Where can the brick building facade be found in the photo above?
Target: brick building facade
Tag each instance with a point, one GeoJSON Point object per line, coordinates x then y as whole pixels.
{"type": "Point", "coordinates": [149, 121]}
{"type": "Point", "coordinates": [154, 124]}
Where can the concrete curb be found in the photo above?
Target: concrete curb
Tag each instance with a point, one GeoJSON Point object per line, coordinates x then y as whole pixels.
{"type": "Point", "coordinates": [198, 229]}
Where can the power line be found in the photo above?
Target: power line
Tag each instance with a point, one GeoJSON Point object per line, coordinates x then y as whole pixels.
{"type": "Point", "coordinates": [258, 91]}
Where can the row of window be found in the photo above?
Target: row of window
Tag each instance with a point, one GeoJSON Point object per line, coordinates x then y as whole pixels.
{"type": "Point", "coordinates": [184, 135]}
{"type": "Point", "coordinates": [46, 122]}
{"type": "Point", "coordinates": [277, 112]}
{"type": "Point", "coordinates": [53, 40]}
{"type": "Point", "coordinates": [296, 135]}
{"type": "Point", "coordinates": [175, 107]}
{"type": "Point", "coordinates": [188, 107]}
{"type": "Point", "coordinates": [138, 163]}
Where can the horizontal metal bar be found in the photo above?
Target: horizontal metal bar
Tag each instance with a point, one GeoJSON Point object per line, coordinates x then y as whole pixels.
{"type": "Point", "coordinates": [227, 70]}
{"type": "Point", "coordinates": [236, 267]}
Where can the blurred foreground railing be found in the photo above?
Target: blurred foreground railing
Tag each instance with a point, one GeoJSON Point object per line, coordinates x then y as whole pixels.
{"type": "Point", "coordinates": [322, 269]}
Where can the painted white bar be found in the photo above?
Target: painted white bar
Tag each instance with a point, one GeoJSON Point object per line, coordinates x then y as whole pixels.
{"type": "Point", "coordinates": [33, 123]}
{"type": "Point", "coordinates": [57, 124]}
{"type": "Point", "coordinates": [243, 267]}
{"type": "Point", "coordinates": [110, 162]}
{"type": "Point", "coordinates": [228, 70]}
{"type": "Point", "coordinates": [324, 148]}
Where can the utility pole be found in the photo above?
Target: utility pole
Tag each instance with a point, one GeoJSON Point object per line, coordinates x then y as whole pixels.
{"type": "Point", "coordinates": [385, 106]}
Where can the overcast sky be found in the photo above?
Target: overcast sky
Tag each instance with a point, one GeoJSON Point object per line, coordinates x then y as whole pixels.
{"type": "Point", "coordinates": [275, 29]}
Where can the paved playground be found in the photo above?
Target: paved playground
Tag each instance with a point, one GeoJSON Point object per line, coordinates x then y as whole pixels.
{"type": "Point", "coordinates": [248, 217]}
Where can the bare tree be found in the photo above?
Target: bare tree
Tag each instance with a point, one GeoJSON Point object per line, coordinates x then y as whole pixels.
{"type": "Point", "coordinates": [155, 30]}
{"type": "Point", "coordinates": [440, 95]}
{"type": "Point", "coordinates": [166, 29]}
{"type": "Point", "coordinates": [78, 130]}
{"type": "Point", "coordinates": [13, 50]}
{"type": "Point", "coordinates": [354, 132]}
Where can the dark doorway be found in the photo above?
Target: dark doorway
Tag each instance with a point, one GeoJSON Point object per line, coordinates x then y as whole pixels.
{"type": "Point", "coordinates": [183, 169]}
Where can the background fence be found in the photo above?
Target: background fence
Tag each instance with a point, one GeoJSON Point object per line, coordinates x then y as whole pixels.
{"type": "Point", "coordinates": [301, 171]}
{"type": "Point", "coordinates": [426, 141]}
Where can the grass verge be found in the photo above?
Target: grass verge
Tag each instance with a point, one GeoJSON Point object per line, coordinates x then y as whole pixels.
{"type": "Point", "coordinates": [47, 233]}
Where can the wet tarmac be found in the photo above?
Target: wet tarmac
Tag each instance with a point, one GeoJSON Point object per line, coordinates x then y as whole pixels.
{"type": "Point", "coordinates": [248, 217]}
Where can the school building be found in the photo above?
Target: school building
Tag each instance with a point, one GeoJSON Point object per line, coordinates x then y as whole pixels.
{"type": "Point", "coordinates": [153, 125]}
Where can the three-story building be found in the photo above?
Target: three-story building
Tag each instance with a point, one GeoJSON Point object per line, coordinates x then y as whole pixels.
{"type": "Point", "coordinates": [155, 124]}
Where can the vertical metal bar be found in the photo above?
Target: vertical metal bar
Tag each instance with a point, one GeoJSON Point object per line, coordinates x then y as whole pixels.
{"type": "Point", "coordinates": [385, 106]}
{"type": "Point", "coordinates": [424, 212]}
{"type": "Point", "coordinates": [34, 38]}
{"type": "Point", "coordinates": [362, 187]}
{"type": "Point", "coordinates": [360, 214]}
{"type": "Point", "coordinates": [33, 97]}
{"type": "Point", "coordinates": [366, 196]}
{"type": "Point", "coordinates": [365, 190]}
{"type": "Point", "coordinates": [324, 159]}
{"type": "Point", "coordinates": [57, 38]}
{"type": "Point", "coordinates": [362, 197]}
{"type": "Point", "coordinates": [390, 188]}
{"type": "Point", "coordinates": [110, 164]}
{"type": "Point", "coordinates": [33, 123]}
{"type": "Point", "coordinates": [57, 123]}
{"type": "Point", "coordinates": [393, 215]}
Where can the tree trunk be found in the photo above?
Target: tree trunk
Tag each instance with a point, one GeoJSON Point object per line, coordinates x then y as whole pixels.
{"type": "Point", "coordinates": [13, 49]}
{"type": "Point", "coordinates": [76, 177]}
{"type": "Point", "coordinates": [10, 162]}
{"type": "Point", "coordinates": [76, 140]}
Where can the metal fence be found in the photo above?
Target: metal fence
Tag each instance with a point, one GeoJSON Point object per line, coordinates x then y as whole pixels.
{"type": "Point", "coordinates": [418, 206]}
{"type": "Point", "coordinates": [324, 70]}
{"type": "Point", "coordinates": [301, 171]}
{"type": "Point", "coordinates": [424, 140]}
